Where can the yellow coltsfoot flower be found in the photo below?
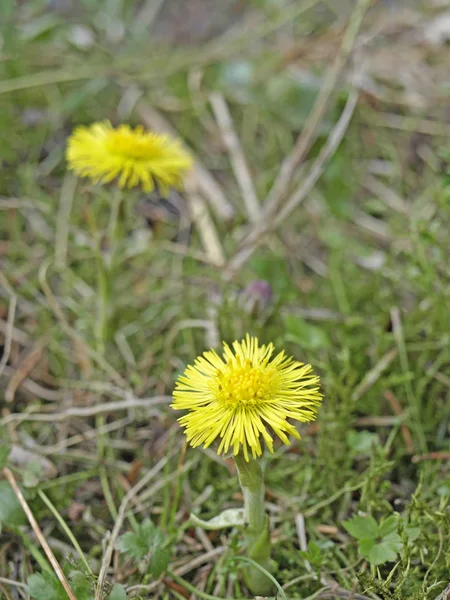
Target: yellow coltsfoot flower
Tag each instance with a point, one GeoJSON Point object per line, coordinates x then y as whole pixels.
{"type": "Point", "coordinates": [132, 156]}
{"type": "Point", "coordinates": [241, 397]}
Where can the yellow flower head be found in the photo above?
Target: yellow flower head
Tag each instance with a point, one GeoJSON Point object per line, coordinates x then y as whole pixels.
{"type": "Point", "coordinates": [239, 397]}
{"type": "Point", "coordinates": [134, 156]}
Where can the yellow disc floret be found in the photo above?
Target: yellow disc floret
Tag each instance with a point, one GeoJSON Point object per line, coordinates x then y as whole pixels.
{"type": "Point", "coordinates": [241, 383]}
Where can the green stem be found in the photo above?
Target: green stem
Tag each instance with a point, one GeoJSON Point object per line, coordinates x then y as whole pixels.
{"type": "Point", "coordinates": [101, 324]}
{"type": "Point", "coordinates": [116, 224]}
{"type": "Point", "coordinates": [257, 525]}
{"type": "Point", "coordinates": [105, 269]}
{"type": "Point", "coordinates": [105, 484]}
{"type": "Point", "coordinates": [66, 529]}
{"type": "Point", "coordinates": [103, 306]}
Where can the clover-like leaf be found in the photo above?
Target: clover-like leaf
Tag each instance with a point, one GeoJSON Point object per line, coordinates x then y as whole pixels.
{"type": "Point", "coordinates": [379, 543]}
{"type": "Point", "coordinates": [362, 527]}
{"type": "Point", "coordinates": [381, 553]}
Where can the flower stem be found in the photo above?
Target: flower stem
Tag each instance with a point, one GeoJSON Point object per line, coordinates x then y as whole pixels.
{"type": "Point", "coordinates": [102, 285]}
{"type": "Point", "coordinates": [103, 306]}
{"type": "Point", "coordinates": [105, 269]}
{"type": "Point", "coordinates": [257, 525]}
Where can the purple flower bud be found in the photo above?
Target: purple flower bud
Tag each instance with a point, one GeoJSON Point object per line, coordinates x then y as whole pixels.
{"type": "Point", "coordinates": [257, 298]}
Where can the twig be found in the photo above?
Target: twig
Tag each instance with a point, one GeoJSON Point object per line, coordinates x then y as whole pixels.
{"type": "Point", "coordinates": [17, 335]}
{"type": "Point", "coordinates": [441, 377]}
{"type": "Point", "coordinates": [188, 324]}
{"type": "Point", "coordinates": [5, 592]}
{"type": "Point", "coordinates": [327, 152]}
{"type": "Point", "coordinates": [396, 407]}
{"type": "Point", "coordinates": [407, 123]}
{"type": "Point", "coordinates": [373, 375]}
{"type": "Point", "coordinates": [260, 231]}
{"type": "Point", "coordinates": [89, 411]}
{"type": "Point", "coordinates": [199, 176]}
{"type": "Point", "coordinates": [237, 158]}
{"type": "Point", "coordinates": [13, 583]}
{"type": "Point", "coordinates": [301, 535]}
{"type": "Point", "coordinates": [119, 521]}
{"type": "Point", "coordinates": [26, 364]}
{"type": "Point", "coordinates": [388, 195]}
{"type": "Point", "coordinates": [84, 437]}
{"type": "Point", "coordinates": [201, 217]}
{"type": "Point", "coordinates": [204, 539]}
{"type": "Point", "coordinates": [308, 134]}
{"type": "Point", "coordinates": [431, 456]}
{"type": "Point", "coordinates": [37, 530]}
{"type": "Point", "coordinates": [35, 388]}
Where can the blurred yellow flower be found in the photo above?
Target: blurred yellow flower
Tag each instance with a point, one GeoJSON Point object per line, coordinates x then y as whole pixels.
{"type": "Point", "coordinates": [133, 156]}
{"type": "Point", "coordinates": [241, 396]}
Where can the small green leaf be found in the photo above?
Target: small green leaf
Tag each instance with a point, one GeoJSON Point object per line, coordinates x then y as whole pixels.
{"type": "Point", "coordinates": [444, 489]}
{"type": "Point", "coordinates": [314, 554]}
{"type": "Point", "coordinates": [80, 585]}
{"type": "Point", "coordinates": [304, 334]}
{"type": "Point", "coordinates": [231, 517]}
{"type": "Point", "coordinates": [147, 541]}
{"type": "Point", "coordinates": [32, 474]}
{"type": "Point", "coordinates": [362, 527]}
{"type": "Point", "coordinates": [147, 530]}
{"type": "Point", "coordinates": [394, 541]}
{"type": "Point", "coordinates": [137, 545]}
{"type": "Point", "coordinates": [412, 533]}
{"type": "Point", "coordinates": [380, 554]}
{"type": "Point", "coordinates": [361, 442]}
{"type": "Point", "coordinates": [388, 526]}
{"type": "Point", "coordinates": [4, 453]}
{"type": "Point", "coordinates": [11, 513]}
{"type": "Point", "coordinates": [45, 586]}
{"type": "Point", "coordinates": [133, 545]}
{"type": "Point", "coordinates": [366, 545]}
{"type": "Point", "coordinates": [159, 561]}
{"type": "Point", "coordinates": [118, 593]}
